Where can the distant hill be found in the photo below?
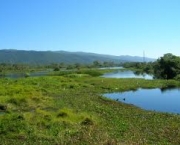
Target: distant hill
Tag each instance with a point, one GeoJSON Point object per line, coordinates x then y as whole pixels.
{"type": "Point", "coordinates": [47, 57]}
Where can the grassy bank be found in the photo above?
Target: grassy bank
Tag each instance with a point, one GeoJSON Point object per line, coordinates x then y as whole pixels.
{"type": "Point", "coordinates": [70, 109]}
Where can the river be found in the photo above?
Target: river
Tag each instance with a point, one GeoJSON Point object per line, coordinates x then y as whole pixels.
{"type": "Point", "coordinates": [127, 74]}
{"type": "Point", "coordinates": [161, 100]}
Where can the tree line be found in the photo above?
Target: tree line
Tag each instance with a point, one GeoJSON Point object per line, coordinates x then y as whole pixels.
{"type": "Point", "coordinates": [21, 67]}
{"type": "Point", "coordinates": [165, 67]}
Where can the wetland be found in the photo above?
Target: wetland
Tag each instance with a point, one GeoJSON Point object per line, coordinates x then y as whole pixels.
{"type": "Point", "coordinates": [162, 100]}
{"type": "Point", "coordinates": [68, 108]}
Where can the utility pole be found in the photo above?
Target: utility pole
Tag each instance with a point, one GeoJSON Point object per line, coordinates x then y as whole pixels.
{"type": "Point", "coordinates": [144, 56]}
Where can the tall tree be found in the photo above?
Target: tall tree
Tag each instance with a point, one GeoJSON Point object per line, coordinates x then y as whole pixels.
{"type": "Point", "coordinates": [167, 67]}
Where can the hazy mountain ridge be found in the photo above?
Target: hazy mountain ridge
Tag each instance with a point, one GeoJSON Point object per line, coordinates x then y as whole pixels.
{"type": "Point", "coordinates": [47, 57]}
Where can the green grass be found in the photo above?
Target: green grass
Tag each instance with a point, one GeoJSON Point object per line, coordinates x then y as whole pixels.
{"type": "Point", "coordinates": [69, 109]}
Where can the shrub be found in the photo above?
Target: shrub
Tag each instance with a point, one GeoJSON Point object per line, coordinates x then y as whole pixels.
{"type": "Point", "coordinates": [178, 77]}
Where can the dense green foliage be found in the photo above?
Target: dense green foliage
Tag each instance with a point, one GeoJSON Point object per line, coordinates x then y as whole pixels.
{"type": "Point", "coordinates": [70, 109]}
{"type": "Point", "coordinates": [167, 67]}
{"type": "Point", "coordinates": [140, 67]}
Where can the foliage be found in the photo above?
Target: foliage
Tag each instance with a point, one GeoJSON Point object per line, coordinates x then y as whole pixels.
{"type": "Point", "coordinates": [178, 77]}
{"type": "Point", "coordinates": [167, 67]}
{"type": "Point", "coordinates": [93, 73]}
{"type": "Point", "coordinates": [140, 67]}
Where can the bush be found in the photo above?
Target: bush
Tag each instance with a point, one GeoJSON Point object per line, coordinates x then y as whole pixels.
{"type": "Point", "coordinates": [178, 77]}
{"type": "Point", "coordinates": [56, 69]}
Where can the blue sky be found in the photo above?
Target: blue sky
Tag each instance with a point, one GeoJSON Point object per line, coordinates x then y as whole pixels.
{"type": "Point", "coordinates": [116, 27]}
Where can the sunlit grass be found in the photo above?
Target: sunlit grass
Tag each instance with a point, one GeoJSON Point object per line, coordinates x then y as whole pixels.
{"type": "Point", "coordinates": [71, 110]}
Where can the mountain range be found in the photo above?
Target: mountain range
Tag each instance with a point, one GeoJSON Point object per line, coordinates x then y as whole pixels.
{"type": "Point", "coordinates": [47, 57]}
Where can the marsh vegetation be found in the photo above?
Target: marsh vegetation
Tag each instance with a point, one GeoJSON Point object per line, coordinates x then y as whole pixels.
{"type": "Point", "coordinates": [68, 107]}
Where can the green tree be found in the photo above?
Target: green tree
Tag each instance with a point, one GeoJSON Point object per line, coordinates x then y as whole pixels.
{"type": "Point", "coordinates": [108, 64]}
{"type": "Point", "coordinates": [167, 67]}
{"type": "Point", "coordinates": [97, 63]}
{"type": "Point", "coordinates": [77, 65]}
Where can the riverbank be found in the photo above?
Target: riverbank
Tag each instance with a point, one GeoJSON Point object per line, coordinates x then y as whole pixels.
{"type": "Point", "coordinates": [71, 110]}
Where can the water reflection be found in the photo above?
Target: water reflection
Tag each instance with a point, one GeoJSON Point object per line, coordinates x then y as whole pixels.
{"type": "Point", "coordinates": [163, 100]}
{"type": "Point", "coordinates": [169, 88]}
{"type": "Point", "coordinates": [127, 74]}
{"type": "Point", "coordinates": [118, 67]}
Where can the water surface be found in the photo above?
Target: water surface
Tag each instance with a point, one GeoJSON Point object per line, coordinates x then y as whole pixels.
{"type": "Point", "coordinates": [118, 67]}
{"type": "Point", "coordinates": [165, 100]}
{"type": "Point", "coordinates": [127, 74]}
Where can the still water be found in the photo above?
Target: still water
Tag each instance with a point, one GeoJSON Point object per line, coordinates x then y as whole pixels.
{"type": "Point", "coordinates": [118, 67]}
{"type": "Point", "coordinates": [127, 74]}
{"type": "Point", "coordinates": [161, 100]}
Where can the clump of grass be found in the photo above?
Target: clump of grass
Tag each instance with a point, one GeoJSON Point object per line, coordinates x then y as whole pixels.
{"type": "Point", "coordinates": [12, 123]}
{"type": "Point", "coordinates": [19, 100]}
{"type": "Point", "coordinates": [87, 121]}
{"type": "Point", "coordinates": [62, 114]}
{"type": "Point", "coordinates": [68, 115]}
{"type": "Point", "coordinates": [78, 75]}
{"type": "Point", "coordinates": [93, 73]}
